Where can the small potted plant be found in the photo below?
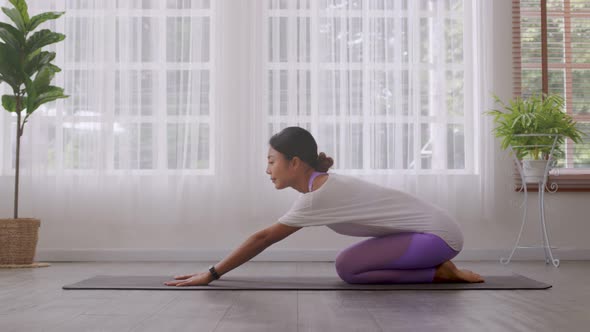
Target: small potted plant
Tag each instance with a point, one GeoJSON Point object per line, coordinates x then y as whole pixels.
{"type": "Point", "coordinates": [28, 71]}
{"type": "Point", "coordinates": [531, 126]}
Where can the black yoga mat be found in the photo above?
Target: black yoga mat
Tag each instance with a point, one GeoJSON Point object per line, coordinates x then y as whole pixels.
{"type": "Point", "coordinates": [514, 281]}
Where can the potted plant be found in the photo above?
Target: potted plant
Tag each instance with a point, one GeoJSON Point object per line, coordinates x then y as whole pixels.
{"type": "Point", "coordinates": [534, 127]}
{"type": "Point", "coordinates": [28, 71]}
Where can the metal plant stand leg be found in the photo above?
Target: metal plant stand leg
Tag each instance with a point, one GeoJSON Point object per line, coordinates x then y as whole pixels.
{"type": "Point", "coordinates": [542, 185]}
{"type": "Point", "coordinates": [524, 205]}
{"type": "Point", "coordinates": [546, 245]}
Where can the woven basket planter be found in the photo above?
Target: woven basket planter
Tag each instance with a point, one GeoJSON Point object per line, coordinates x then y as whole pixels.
{"type": "Point", "coordinates": [18, 240]}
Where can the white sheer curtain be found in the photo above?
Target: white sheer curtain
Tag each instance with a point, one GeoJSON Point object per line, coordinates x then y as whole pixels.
{"type": "Point", "coordinates": [134, 143]}
{"type": "Point", "coordinates": [393, 89]}
{"type": "Point", "coordinates": [172, 103]}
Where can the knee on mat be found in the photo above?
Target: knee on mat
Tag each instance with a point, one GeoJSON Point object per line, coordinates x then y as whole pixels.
{"type": "Point", "coordinates": [344, 269]}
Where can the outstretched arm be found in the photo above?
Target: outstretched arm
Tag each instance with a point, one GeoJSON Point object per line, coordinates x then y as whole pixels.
{"type": "Point", "coordinates": [253, 246]}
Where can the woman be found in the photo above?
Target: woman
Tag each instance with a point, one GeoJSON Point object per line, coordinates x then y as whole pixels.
{"type": "Point", "coordinates": [411, 241]}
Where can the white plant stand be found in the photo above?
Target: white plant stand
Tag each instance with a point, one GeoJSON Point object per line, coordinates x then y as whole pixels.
{"type": "Point", "coordinates": [542, 186]}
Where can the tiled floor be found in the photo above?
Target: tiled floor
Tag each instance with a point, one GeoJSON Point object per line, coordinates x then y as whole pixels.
{"type": "Point", "coordinates": [32, 300]}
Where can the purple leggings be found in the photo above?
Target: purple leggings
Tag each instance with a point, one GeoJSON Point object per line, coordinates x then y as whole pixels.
{"type": "Point", "coordinates": [392, 259]}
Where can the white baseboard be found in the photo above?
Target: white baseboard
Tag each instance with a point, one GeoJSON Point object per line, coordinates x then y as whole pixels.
{"type": "Point", "coordinates": [179, 255]}
{"type": "Point", "coordinates": [284, 255]}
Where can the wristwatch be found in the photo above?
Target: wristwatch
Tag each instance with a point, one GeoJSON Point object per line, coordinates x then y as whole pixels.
{"type": "Point", "coordinates": [213, 272]}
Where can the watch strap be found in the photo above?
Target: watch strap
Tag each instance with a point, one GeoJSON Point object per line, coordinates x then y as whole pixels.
{"type": "Point", "coordinates": [214, 272]}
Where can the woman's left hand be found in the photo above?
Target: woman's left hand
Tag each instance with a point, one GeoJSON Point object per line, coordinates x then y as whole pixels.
{"type": "Point", "coordinates": [199, 279]}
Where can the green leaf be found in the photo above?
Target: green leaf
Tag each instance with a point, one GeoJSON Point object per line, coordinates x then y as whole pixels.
{"type": "Point", "coordinates": [9, 67]}
{"type": "Point", "coordinates": [9, 103]}
{"type": "Point", "coordinates": [43, 38]}
{"type": "Point", "coordinates": [10, 81]}
{"type": "Point", "coordinates": [8, 55]}
{"type": "Point", "coordinates": [38, 61]}
{"type": "Point", "coordinates": [43, 79]}
{"type": "Point", "coordinates": [55, 68]}
{"type": "Point", "coordinates": [31, 55]}
{"type": "Point", "coordinates": [31, 92]}
{"type": "Point", "coordinates": [50, 94]}
{"type": "Point", "coordinates": [16, 17]}
{"type": "Point", "coordinates": [12, 36]}
{"type": "Point", "coordinates": [21, 6]}
{"type": "Point", "coordinates": [38, 19]}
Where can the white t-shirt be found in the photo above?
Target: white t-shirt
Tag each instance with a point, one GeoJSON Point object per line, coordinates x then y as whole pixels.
{"type": "Point", "coordinates": [354, 207]}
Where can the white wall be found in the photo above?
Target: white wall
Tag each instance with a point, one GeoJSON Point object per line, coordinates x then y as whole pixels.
{"type": "Point", "coordinates": [484, 238]}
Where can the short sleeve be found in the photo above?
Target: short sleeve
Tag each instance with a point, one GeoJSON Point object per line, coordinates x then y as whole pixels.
{"type": "Point", "coordinates": [299, 212]}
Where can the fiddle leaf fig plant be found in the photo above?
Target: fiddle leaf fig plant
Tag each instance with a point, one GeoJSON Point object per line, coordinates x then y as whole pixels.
{"type": "Point", "coordinates": [27, 68]}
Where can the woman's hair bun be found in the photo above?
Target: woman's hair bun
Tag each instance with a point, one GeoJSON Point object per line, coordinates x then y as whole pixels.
{"type": "Point", "coordinates": [323, 163]}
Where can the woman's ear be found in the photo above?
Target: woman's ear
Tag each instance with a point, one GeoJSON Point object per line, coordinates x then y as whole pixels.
{"type": "Point", "coordinates": [295, 162]}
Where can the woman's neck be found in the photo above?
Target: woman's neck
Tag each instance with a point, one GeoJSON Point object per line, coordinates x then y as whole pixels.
{"type": "Point", "coordinates": [302, 184]}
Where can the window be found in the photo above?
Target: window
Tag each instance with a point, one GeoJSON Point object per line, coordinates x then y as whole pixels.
{"type": "Point", "coordinates": [139, 78]}
{"type": "Point", "coordinates": [388, 85]}
{"type": "Point", "coordinates": [381, 84]}
{"type": "Point", "coordinates": [568, 65]}
{"type": "Point", "coordinates": [568, 68]}
{"type": "Point", "coordinates": [172, 103]}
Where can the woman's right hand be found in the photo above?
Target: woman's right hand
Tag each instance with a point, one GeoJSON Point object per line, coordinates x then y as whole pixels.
{"type": "Point", "coordinates": [184, 277]}
{"type": "Point", "coordinates": [199, 279]}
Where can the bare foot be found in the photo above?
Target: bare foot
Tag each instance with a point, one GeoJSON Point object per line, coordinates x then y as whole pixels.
{"type": "Point", "coordinates": [448, 272]}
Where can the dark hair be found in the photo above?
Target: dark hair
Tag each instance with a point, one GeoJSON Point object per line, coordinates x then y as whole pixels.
{"type": "Point", "coordinates": [298, 142]}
